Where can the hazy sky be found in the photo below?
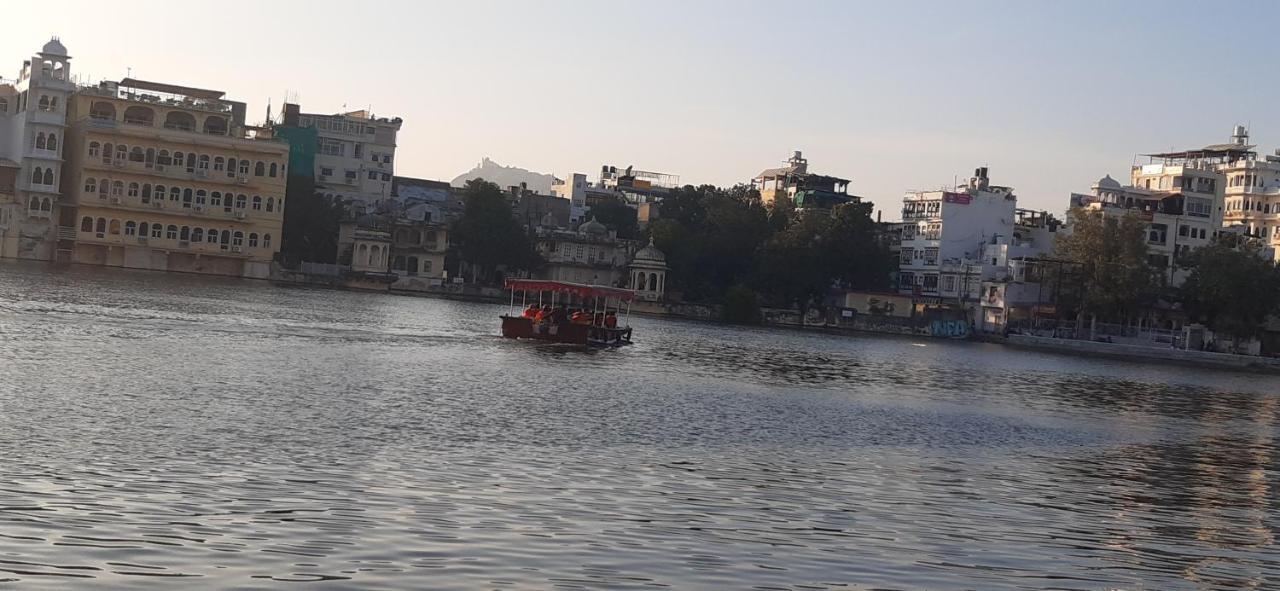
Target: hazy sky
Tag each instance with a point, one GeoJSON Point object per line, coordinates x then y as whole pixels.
{"type": "Point", "coordinates": [894, 95]}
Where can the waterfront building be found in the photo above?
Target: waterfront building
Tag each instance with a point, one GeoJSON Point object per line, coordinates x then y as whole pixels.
{"type": "Point", "coordinates": [574, 190]}
{"type": "Point", "coordinates": [1251, 197]}
{"type": "Point", "coordinates": [354, 155]}
{"type": "Point", "coordinates": [591, 254]}
{"type": "Point", "coordinates": [944, 233]}
{"type": "Point", "coordinates": [403, 247]}
{"type": "Point", "coordinates": [637, 186]}
{"type": "Point", "coordinates": [1179, 195]}
{"type": "Point", "coordinates": [1021, 280]}
{"type": "Point", "coordinates": [648, 271]}
{"type": "Point", "coordinates": [805, 189]}
{"type": "Point", "coordinates": [33, 120]}
{"type": "Point", "coordinates": [169, 177]}
{"type": "Point", "coordinates": [533, 209]}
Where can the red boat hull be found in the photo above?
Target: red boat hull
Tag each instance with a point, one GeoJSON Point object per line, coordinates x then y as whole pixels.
{"type": "Point", "coordinates": [517, 327]}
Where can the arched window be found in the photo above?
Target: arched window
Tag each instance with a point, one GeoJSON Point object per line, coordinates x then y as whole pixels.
{"type": "Point", "coordinates": [362, 255]}
{"type": "Point", "coordinates": [131, 228]}
{"type": "Point", "coordinates": [272, 172]}
{"type": "Point", "coordinates": [104, 186]}
{"type": "Point", "coordinates": [241, 200]}
{"type": "Point", "coordinates": [137, 154]}
{"type": "Point", "coordinates": [146, 192]}
{"type": "Point", "coordinates": [257, 203]}
{"type": "Point", "coordinates": [215, 199]}
{"type": "Point", "coordinates": [37, 176]}
{"type": "Point", "coordinates": [40, 141]}
{"type": "Point", "coordinates": [143, 230]}
{"type": "Point", "coordinates": [34, 204]}
{"type": "Point", "coordinates": [101, 226]}
{"type": "Point", "coordinates": [231, 167]}
{"type": "Point", "coordinates": [48, 176]}
{"type": "Point", "coordinates": [179, 120]}
{"type": "Point", "coordinates": [186, 197]}
{"type": "Point", "coordinates": [164, 158]}
{"type": "Point", "coordinates": [185, 233]}
{"type": "Point", "coordinates": [53, 142]}
{"type": "Point", "coordinates": [86, 224]}
{"type": "Point", "coordinates": [102, 110]}
{"type": "Point", "coordinates": [640, 286]}
{"type": "Point", "coordinates": [226, 238]}
{"type": "Point", "coordinates": [95, 149]}
{"type": "Point", "coordinates": [201, 196]}
{"type": "Point", "coordinates": [653, 282]}
{"type": "Point", "coordinates": [139, 115]}
{"type": "Point", "coordinates": [426, 265]}
{"type": "Point", "coordinates": [244, 168]}
{"type": "Point", "coordinates": [90, 185]}
{"type": "Point", "coordinates": [122, 152]}
{"type": "Point", "coordinates": [171, 232]}
{"type": "Point", "coordinates": [212, 236]}
{"type": "Point", "coordinates": [259, 169]}
{"type": "Point", "coordinates": [175, 194]}
{"type": "Point", "coordinates": [266, 241]}
{"type": "Point", "coordinates": [133, 189]}
{"type": "Point", "coordinates": [117, 189]}
{"type": "Point", "coordinates": [253, 240]}
{"type": "Point", "coordinates": [44, 103]}
{"type": "Point", "coordinates": [106, 153]}
{"type": "Point", "coordinates": [53, 103]}
{"type": "Point", "coordinates": [151, 157]}
{"type": "Point", "coordinates": [215, 126]}
{"type": "Point", "coordinates": [219, 164]}
{"type": "Point", "coordinates": [46, 205]}
{"type": "Point", "coordinates": [159, 193]}
{"type": "Point", "coordinates": [271, 204]}
{"type": "Point", "coordinates": [237, 239]}
{"type": "Point", "coordinates": [115, 227]}
{"type": "Point", "coordinates": [177, 159]}
{"type": "Point", "coordinates": [197, 235]}
{"type": "Point", "coordinates": [4, 105]}
{"type": "Point", "coordinates": [204, 162]}
{"type": "Point", "coordinates": [157, 231]}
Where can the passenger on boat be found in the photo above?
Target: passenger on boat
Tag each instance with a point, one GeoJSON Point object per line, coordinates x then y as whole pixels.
{"type": "Point", "coordinates": [598, 319]}
{"type": "Point", "coordinates": [559, 315]}
{"type": "Point", "coordinates": [531, 312]}
{"type": "Point", "coordinates": [542, 315]}
{"type": "Point", "coordinates": [581, 317]}
{"type": "Point", "coordinates": [611, 320]}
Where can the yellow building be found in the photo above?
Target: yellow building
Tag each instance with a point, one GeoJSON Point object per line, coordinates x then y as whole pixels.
{"type": "Point", "coordinates": [166, 177]}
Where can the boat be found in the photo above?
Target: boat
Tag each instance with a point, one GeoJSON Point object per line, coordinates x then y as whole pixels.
{"type": "Point", "coordinates": [598, 299]}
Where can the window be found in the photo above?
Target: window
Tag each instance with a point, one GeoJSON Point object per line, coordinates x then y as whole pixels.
{"type": "Point", "coordinates": [237, 239]}
{"type": "Point", "coordinates": [130, 228]}
{"type": "Point", "coordinates": [211, 236]}
{"type": "Point", "coordinates": [326, 171]}
{"type": "Point", "coordinates": [1183, 230]}
{"type": "Point", "coordinates": [164, 159]}
{"type": "Point", "coordinates": [134, 189]}
{"type": "Point", "coordinates": [259, 169]}
{"type": "Point", "coordinates": [159, 192]}
{"type": "Point", "coordinates": [244, 168]}
{"type": "Point", "coordinates": [241, 200]}
{"type": "Point", "coordinates": [351, 175]}
{"type": "Point", "coordinates": [53, 142]}
{"type": "Point", "coordinates": [185, 233]}
{"type": "Point", "coordinates": [359, 151]}
{"type": "Point", "coordinates": [37, 176]}
{"type": "Point", "coordinates": [332, 148]}
{"type": "Point", "coordinates": [90, 185]}
{"type": "Point", "coordinates": [257, 203]}
{"type": "Point", "coordinates": [426, 266]}
{"type": "Point", "coordinates": [86, 224]}
{"type": "Point", "coordinates": [271, 204]}
{"type": "Point", "coordinates": [95, 149]}
{"type": "Point", "coordinates": [201, 195]}
{"type": "Point", "coordinates": [930, 283]}
{"type": "Point", "coordinates": [373, 175]}
{"type": "Point", "coordinates": [44, 103]}
{"type": "Point", "coordinates": [4, 105]}
{"type": "Point", "coordinates": [117, 189]}
{"type": "Point", "coordinates": [197, 235]}
{"type": "Point", "coordinates": [101, 226]}
{"type": "Point", "coordinates": [215, 199]}
{"type": "Point", "coordinates": [931, 256]}
{"type": "Point", "coordinates": [386, 177]}
{"type": "Point", "coordinates": [375, 156]}
{"type": "Point", "coordinates": [175, 194]}
{"type": "Point", "coordinates": [231, 167]}
{"type": "Point", "coordinates": [387, 160]}
{"type": "Point", "coordinates": [157, 231]}
{"type": "Point", "coordinates": [137, 155]}
{"type": "Point", "coordinates": [186, 198]}
{"type": "Point", "coordinates": [146, 193]}
{"type": "Point", "coordinates": [178, 159]}
{"type": "Point", "coordinates": [949, 283]}
{"type": "Point", "coordinates": [906, 281]}
{"type": "Point", "coordinates": [907, 255]}
{"type": "Point", "coordinates": [40, 141]}
{"type": "Point", "coordinates": [171, 232]}
{"type": "Point", "coordinates": [204, 162]}
{"type": "Point", "coordinates": [143, 230]}
{"type": "Point", "coordinates": [253, 240]}
{"type": "Point", "coordinates": [266, 241]}
{"type": "Point", "coordinates": [273, 170]}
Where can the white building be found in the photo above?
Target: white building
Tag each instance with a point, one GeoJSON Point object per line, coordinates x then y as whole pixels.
{"type": "Point", "coordinates": [1251, 199]}
{"type": "Point", "coordinates": [575, 190]}
{"type": "Point", "coordinates": [945, 232]}
{"type": "Point", "coordinates": [33, 120]}
{"type": "Point", "coordinates": [355, 155]}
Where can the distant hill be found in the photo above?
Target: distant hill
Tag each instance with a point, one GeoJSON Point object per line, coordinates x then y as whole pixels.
{"type": "Point", "coordinates": [506, 176]}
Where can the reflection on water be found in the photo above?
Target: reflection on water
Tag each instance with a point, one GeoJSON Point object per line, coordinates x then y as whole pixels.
{"type": "Point", "coordinates": [169, 430]}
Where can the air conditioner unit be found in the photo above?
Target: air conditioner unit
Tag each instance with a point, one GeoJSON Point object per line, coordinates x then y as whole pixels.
{"type": "Point", "coordinates": [235, 249]}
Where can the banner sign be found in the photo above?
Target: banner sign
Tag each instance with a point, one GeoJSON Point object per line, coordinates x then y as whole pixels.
{"type": "Point", "coordinates": [960, 198]}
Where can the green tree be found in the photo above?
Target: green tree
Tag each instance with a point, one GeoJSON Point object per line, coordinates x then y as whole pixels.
{"type": "Point", "coordinates": [1112, 254]}
{"type": "Point", "coordinates": [741, 306]}
{"type": "Point", "coordinates": [711, 237]}
{"type": "Point", "coordinates": [488, 236]}
{"type": "Point", "coordinates": [310, 225]}
{"type": "Point", "coordinates": [1232, 288]}
{"type": "Point", "coordinates": [617, 216]}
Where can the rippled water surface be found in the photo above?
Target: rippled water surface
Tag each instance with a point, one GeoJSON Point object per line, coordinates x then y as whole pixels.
{"type": "Point", "coordinates": [177, 431]}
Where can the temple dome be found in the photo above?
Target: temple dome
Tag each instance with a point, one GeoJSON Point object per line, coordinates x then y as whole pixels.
{"type": "Point", "coordinates": [593, 227]}
{"type": "Point", "coordinates": [651, 253]}
{"type": "Point", "coordinates": [54, 47]}
{"type": "Point", "coordinates": [1107, 182]}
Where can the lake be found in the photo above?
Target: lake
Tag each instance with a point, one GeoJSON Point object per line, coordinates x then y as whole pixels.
{"type": "Point", "coordinates": [169, 430]}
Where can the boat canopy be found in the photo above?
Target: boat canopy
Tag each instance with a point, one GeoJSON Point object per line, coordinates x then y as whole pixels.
{"type": "Point", "coordinates": [578, 289]}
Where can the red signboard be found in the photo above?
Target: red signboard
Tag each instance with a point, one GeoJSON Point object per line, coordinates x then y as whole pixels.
{"type": "Point", "coordinates": [960, 198]}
